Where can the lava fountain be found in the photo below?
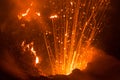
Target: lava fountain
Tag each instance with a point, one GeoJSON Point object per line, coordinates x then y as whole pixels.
{"type": "Point", "coordinates": [74, 25]}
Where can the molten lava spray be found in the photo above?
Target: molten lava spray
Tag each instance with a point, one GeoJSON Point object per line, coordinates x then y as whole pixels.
{"type": "Point", "coordinates": [73, 25]}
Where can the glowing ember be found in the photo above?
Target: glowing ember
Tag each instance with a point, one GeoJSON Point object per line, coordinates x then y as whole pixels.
{"type": "Point", "coordinates": [37, 60]}
{"type": "Point", "coordinates": [53, 16]}
{"type": "Point", "coordinates": [37, 13]}
{"type": "Point", "coordinates": [26, 13]}
{"type": "Point", "coordinates": [71, 3]}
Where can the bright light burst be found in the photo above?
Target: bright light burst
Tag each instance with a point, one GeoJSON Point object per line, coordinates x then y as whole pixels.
{"type": "Point", "coordinates": [74, 31]}
{"type": "Point", "coordinates": [75, 24]}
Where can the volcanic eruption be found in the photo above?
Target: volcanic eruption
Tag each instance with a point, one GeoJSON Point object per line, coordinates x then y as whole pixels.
{"type": "Point", "coordinates": [60, 35]}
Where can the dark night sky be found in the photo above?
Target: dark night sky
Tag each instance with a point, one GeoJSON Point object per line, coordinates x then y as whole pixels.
{"type": "Point", "coordinates": [111, 33]}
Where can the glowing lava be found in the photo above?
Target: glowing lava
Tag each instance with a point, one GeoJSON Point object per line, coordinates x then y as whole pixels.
{"type": "Point", "coordinates": [53, 16]}
{"type": "Point", "coordinates": [27, 11]}
{"type": "Point", "coordinates": [29, 14]}
{"type": "Point", "coordinates": [74, 27]}
{"type": "Point", "coordinates": [29, 47]}
{"type": "Point", "coordinates": [37, 60]}
{"type": "Point", "coordinates": [74, 31]}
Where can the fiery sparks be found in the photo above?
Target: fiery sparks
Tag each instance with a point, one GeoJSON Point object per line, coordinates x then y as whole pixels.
{"type": "Point", "coordinates": [29, 47]}
{"type": "Point", "coordinates": [29, 13]}
{"type": "Point", "coordinates": [53, 16]}
{"type": "Point", "coordinates": [26, 13]}
{"type": "Point", "coordinates": [37, 13]}
{"type": "Point", "coordinates": [74, 27]}
{"type": "Point", "coordinates": [37, 60]}
{"type": "Point", "coordinates": [78, 24]}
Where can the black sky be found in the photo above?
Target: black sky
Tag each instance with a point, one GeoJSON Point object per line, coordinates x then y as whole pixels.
{"type": "Point", "coordinates": [111, 32]}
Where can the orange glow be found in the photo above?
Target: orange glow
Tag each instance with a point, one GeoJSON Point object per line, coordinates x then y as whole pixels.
{"type": "Point", "coordinates": [33, 51]}
{"type": "Point", "coordinates": [29, 14]}
{"type": "Point", "coordinates": [53, 16]}
{"type": "Point", "coordinates": [29, 47]}
{"type": "Point", "coordinates": [73, 29]}
{"type": "Point", "coordinates": [76, 61]}
{"type": "Point", "coordinates": [71, 3]}
{"type": "Point", "coordinates": [74, 33]}
{"type": "Point", "coordinates": [31, 4]}
{"type": "Point", "coordinates": [37, 60]}
{"type": "Point", "coordinates": [23, 25]}
{"type": "Point", "coordinates": [37, 13]}
{"type": "Point", "coordinates": [26, 13]}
